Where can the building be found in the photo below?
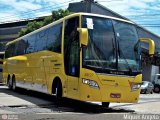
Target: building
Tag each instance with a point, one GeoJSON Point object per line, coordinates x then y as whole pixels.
{"type": "Point", "coordinates": [10, 31]}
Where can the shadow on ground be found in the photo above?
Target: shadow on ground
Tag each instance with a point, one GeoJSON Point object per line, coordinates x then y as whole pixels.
{"type": "Point", "coordinates": [66, 105]}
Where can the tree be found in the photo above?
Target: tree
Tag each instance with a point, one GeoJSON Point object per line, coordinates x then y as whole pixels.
{"type": "Point", "coordinates": [31, 26]}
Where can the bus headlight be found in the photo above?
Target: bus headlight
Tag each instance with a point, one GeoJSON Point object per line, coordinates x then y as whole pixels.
{"type": "Point", "coordinates": [135, 86]}
{"type": "Point", "coordinates": [91, 83]}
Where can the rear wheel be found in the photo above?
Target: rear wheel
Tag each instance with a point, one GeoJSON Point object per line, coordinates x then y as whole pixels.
{"type": "Point", "coordinates": [13, 83]}
{"type": "Point", "coordinates": [105, 104]}
{"type": "Point", "coordinates": [9, 83]}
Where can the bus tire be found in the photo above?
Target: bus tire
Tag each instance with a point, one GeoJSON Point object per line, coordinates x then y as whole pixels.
{"type": "Point", "coordinates": [58, 91]}
{"type": "Point", "coordinates": [9, 82]}
{"type": "Point", "coordinates": [13, 83]}
{"type": "Point", "coordinates": [105, 104]}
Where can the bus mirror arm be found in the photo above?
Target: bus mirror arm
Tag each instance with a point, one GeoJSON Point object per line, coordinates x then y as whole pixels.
{"type": "Point", "coordinates": [83, 34]}
{"type": "Point", "coordinates": [151, 45]}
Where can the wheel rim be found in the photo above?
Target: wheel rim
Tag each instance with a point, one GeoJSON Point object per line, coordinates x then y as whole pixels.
{"type": "Point", "coordinates": [10, 83]}
{"type": "Point", "coordinates": [14, 85]}
{"type": "Point", "coordinates": [56, 91]}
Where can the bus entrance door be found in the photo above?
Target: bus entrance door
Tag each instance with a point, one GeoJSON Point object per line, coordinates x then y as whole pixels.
{"type": "Point", "coordinates": [73, 91]}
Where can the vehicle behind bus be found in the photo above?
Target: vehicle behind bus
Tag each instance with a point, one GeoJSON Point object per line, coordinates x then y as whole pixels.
{"type": "Point", "coordinates": [156, 83]}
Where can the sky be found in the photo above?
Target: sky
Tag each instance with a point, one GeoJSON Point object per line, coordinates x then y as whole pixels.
{"type": "Point", "coordinates": [144, 12]}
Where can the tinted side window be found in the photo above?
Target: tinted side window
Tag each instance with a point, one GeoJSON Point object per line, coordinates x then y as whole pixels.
{"type": "Point", "coordinates": [21, 46]}
{"type": "Point", "coordinates": [10, 50]}
{"type": "Point", "coordinates": [6, 52]}
{"type": "Point", "coordinates": [41, 39]}
{"type": "Point", "coordinates": [1, 55]}
{"type": "Point", "coordinates": [30, 43]}
{"type": "Point", "coordinates": [54, 38]}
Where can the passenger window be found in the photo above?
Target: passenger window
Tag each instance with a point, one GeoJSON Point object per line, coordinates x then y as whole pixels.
{"type": "Point", "coordinates": [41, 40]}
{"type": "Point", "coordinates": [10, 50]}
{"type": "Point", "coordinates": [54, 38]}
{"type": "Point", "coordinates": [30, 41]}
{"type": "Point", "coordinates": [21, 46]}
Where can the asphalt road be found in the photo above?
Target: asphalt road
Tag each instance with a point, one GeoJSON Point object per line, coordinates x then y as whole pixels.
{"type": "Point", "coordinates": [24, 104]}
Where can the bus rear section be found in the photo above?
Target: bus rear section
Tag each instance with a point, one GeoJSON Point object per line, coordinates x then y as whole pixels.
{"type": "Point", "coordinates": [1, 64]}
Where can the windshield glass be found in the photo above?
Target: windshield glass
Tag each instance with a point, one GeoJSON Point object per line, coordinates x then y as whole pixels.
{"type": "Point", "coordinates": [100, 52]}
{"type": "Point", "coordinates": [110, 51]}
{"type": "Point", "coordinates": [128, 50]}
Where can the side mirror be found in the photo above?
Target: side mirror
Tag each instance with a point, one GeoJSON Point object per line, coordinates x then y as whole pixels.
{"type": "Point", "coordinates": [151, 45]}
{"type": "Point", "coordinates": [83, 36]}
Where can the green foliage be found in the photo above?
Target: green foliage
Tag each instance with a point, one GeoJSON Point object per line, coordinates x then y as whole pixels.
{"type": "Point", "coordinates": [30, 27]}
{"type": "Point", "coordinates": [56, 15]}
{"type": "Point", "coordinates": [47, 20]}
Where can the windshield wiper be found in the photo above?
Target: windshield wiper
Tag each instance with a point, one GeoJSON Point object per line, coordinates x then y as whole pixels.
{"type": "Point", "coordinates": [136, 46]}
{"type": "Point", "coordinates": [120, 51]}
{"type": "Point", "coordinates": [136, 51]}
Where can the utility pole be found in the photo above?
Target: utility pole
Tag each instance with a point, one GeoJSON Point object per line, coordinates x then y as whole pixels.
{"type": "Point", "coordinates": [88, 5]}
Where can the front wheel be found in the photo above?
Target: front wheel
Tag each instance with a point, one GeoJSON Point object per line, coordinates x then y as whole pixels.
{"type": "Point", "coordinates": [105, 104]}
{"type": "Point", "coordinates": [58, 92]}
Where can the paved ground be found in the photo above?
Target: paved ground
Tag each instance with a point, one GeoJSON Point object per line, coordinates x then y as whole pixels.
{"type": "Point", "coordinates": [24, 104]}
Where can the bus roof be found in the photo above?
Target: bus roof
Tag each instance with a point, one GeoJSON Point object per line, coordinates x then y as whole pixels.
{"type": "Point", "coordinates": [67, 17]}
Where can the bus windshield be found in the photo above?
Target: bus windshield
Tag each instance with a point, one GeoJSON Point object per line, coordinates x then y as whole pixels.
{"type": "Point", "coordinates": [112, 46]}
{"type": "Point", "coordinates": [128, 53]}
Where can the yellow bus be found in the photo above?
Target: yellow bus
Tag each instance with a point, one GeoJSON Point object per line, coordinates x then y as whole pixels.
{"type": "Point", "coordinates": [83, 56]}
{"type": "Point", "coordinates": [1, 63]}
